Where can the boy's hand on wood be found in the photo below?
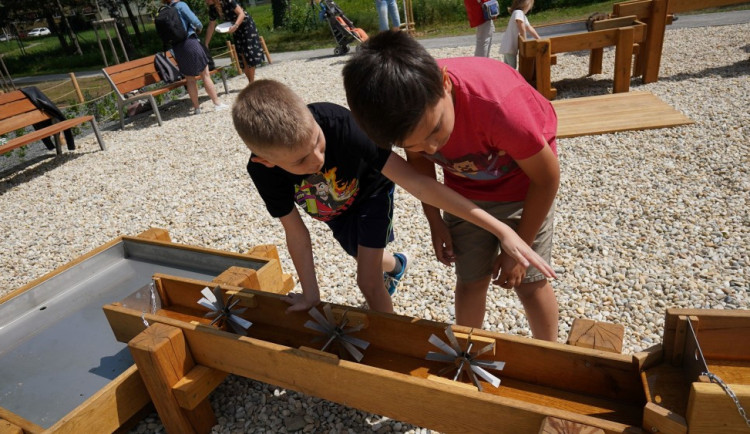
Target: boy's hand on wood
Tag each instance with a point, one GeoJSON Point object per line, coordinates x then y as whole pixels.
{"type": "Point", "coordinates": [299, 303]}
{"type": "Point", "coordinates": [442, 243]}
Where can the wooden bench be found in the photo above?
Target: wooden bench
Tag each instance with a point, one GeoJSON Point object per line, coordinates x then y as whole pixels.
{"type": "Point", "coordinates": [18, 112]}
{"type": "Point", "coordinates": [139, 73]}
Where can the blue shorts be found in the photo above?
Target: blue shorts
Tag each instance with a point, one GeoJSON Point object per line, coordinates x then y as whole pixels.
{"type": "Point", "coordinates": [369, 224]}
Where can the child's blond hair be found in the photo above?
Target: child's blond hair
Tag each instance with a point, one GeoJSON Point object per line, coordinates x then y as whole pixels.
{"type": "Point", "coordinates": [520, 4]}
{"type": "Point", "coordinates": [267, 114]}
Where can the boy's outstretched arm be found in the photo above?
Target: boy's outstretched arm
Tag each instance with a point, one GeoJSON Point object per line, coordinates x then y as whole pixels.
{"type": "Point", "coordinates": [442, 242]}
{"type": "Point", "coordinates": [428, 190]}
{"type": "Point", "coordinates": [300, 249]}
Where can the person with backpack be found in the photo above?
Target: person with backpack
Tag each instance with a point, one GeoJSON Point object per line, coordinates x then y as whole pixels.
{"type": "Point", "coordinates": [178, 26]}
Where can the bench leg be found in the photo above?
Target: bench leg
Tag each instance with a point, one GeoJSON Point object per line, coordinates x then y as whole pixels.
{"type": "Point", "coordinates": [155, 108]}
{"type": "Point", "coordinates": [57, 138]}
{"type": "Point", "coordinates": [98, 135]}
{"type": "Point", "coordinates": [224, 80]}
{"type": "Point", "coordinates": [122, 114]}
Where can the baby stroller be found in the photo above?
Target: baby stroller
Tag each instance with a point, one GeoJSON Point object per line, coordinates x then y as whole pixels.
{"type": "Point", "coordinates": [342, 27]}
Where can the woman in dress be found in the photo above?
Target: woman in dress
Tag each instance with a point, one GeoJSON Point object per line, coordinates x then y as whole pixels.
{"type": "Point", "coordinates": [192, 59]}
{"type": "Point", "coordinates": [243, 31]}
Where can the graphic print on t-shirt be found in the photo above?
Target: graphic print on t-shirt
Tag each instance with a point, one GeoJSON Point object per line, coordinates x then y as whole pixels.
{"type": "Point", "coordinates": [480, 167]}
{"type": "Point", "coordinates": [321, 196]}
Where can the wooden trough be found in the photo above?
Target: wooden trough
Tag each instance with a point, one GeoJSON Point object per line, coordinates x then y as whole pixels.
{"type": "Point", "coordinates": [61, 370]}
{"type": "Point", "coordinates": [547, 386]}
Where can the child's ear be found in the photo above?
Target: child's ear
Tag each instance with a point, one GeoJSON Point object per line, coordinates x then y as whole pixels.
{"type": "Point", "coordinates": [447, 83]}
{"type": "Point", "coordinates": [263, 161]}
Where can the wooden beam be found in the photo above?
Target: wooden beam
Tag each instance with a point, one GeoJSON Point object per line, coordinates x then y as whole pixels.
{"type": "Point", "coordinates": [595, 61]}
{"type": "Point", "coordinates": [711, 410]}
{"type": "Point", "coordinates": [192, 389]}
{"type": "Point", "coordinates": [613, 23]}
{"type": "Point", "coordinates": [657, 419]}
{"type": "Point", "coordinates": [14, 419]}
{"type": "Point", "coordinates": [692, 5]}
{"type": "Point", "coordinates": [9, 428]}
{"type": "Point", "coordinates": [720, 330]}
{"type": "Point", "coordinates": [163, 359]}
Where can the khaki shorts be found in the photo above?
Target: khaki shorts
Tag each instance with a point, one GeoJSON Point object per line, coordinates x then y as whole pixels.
{"type": "Point", "coordinates": [476, 249]}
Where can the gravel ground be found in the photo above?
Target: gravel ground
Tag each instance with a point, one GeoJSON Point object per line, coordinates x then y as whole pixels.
{"type": "Point", "coordinates": [645, 220]}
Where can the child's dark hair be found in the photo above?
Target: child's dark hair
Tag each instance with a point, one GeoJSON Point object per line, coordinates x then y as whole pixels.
{"type": "Point", "coordinates": [390, 82]}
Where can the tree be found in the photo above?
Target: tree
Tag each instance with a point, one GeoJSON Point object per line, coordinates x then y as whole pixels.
{"type": "Point", "coordinates": [68, 29]}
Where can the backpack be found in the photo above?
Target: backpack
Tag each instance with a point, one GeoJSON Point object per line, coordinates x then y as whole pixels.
{"type": "Point", "coordinates": [166, 69]}
{"type": "Point", "coordinates": [169, 26]}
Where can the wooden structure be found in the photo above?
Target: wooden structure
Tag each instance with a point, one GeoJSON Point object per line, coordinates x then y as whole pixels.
{"type": "Point", "coordinates": [635, 27]}
{"type": "Point", "coordinates": [546, 387]}
{"type": "Point", "coordinates": [602, 114]}
{"type": "Point", "coordinates": [536, 56]}
{"type": "Point", "coordinates": [104, 26]}
{"type": "Point", "coordinates": [135, 75]}
{"type": "Point", "coordinates": [88, 384]}
{"type": "Point", "coordinates": [18, 112]}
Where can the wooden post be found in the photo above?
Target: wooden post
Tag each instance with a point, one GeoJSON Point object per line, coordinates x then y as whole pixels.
{"type": "Point", "coordinates": [77, 88]}
{"type": "Point", "coordinates": [623, 59]}
{"type": "Point", "coordinates": [595, 61]}
{"type": "Point", "coordinates": [543, 65]}
{"type": "Point", "coordinates": [163, 359]}
{"type": "Point", "coordinates": [652, 48]}
{"type": "Point", "coordinates": [265, 49]}
{"type": "Point", "coordinates": [233, 55]}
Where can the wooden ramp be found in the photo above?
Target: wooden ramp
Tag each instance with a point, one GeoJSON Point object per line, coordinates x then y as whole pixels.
{"type": "Point", "coordinates": [603, 114]}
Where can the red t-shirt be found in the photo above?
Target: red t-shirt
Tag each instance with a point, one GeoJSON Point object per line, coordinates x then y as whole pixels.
{"type": "Point", "coordinates": [499, 119]}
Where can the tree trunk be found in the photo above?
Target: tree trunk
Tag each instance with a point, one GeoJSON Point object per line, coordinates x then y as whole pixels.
{"type": "Point", "coordinates": [133, 21]}
{"type": "Point", "coordinates": [56, 30]}
{"type": "Point", "coordinates": [69, 30]}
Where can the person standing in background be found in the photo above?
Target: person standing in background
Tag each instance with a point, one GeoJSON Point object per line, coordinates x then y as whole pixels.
{"type": "Point", "coordinates": [386, 9]}
{"type": "Point", "coordinates": [517, 25]}
{"type": "Point", "coordinates": [243, 31]}
{"type": "Point", "coordinates": [485, 28]}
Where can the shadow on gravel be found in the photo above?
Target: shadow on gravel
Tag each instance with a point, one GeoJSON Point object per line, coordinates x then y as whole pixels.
{"type": "Point", "coordinates": [24, 172]}
{"type": "Point", "coordinates": [736, 69]}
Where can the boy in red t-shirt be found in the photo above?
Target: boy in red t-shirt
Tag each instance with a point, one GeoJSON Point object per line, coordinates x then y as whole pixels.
{"type": "Point", "coordinates": [494, 136]}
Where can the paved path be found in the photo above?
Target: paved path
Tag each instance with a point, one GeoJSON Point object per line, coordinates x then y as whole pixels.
{"type": "Point", "coordinates": [682, 21]}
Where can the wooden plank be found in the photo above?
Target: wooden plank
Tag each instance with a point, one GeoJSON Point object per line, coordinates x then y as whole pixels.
{"type": "Point", "coordinates": [194, 388]}
{"type": "Point", "coordinates": [14, 108]}
{"type": "Point", "coordinates": [720, 330]}
{"type": "Point", "coordinates": [731, 371]}
{"type": "Point", "coordinates": [613, 23]}
{"type": "Point", "coordinates": [7, 98]}
{"type": "Point", "coordinates": [603, 114]}
{"type": "Point", "coordinates": [22, 120]}
{"type": "Point", "coordinates": [658, 419]}
{"type": "Point", "coordinates": [148, 60]}
{"type": "Point", "coordinates": [711, 410]}
{"type": "Point", "coordinates": [266, 251]}
{"type": "Point", "coordinates": [400, 396]}
{"type": "Point", "coordinates": [597, 335]}
{"type": "Point", "coordinates": [109, 408]}
{"type": "Point", "coordinates": [554, 425]}
{"type": "Point", "coordinates": [641, 9]}
{"type": "Point", "coordinates": [527, 360]}
{"type": "Point", "coordinates": [9, 428]}
{"type": "Point", "coordinates": [163, 358]}
{"type": "Point", "coordinates": [648, 357]}
{"type": "Point", "coordinates": [28, 427]}
{"type": "Point", "coordinates": [595, 61]}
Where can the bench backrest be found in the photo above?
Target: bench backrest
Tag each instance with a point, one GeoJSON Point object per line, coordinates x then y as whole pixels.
{"type": "Point", "coordinates": [135, 74]}
{"type": "Point", "coordinates": [17, 111]}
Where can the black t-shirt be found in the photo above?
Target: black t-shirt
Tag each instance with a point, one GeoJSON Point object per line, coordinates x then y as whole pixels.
{"type": "Point", "coordinates": [351, 171]}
